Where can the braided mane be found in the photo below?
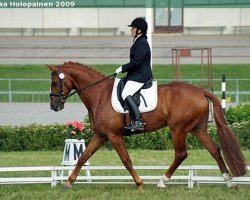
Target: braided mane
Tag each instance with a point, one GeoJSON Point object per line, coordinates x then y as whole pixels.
{"type": "Point", "coordinates": [76, 64]}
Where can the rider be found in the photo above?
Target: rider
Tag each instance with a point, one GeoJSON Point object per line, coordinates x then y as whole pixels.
{"type": "Point", "coordinates": [138, 70]}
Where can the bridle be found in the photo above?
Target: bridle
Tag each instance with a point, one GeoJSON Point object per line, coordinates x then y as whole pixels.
{"type": "Point", "coordinates": [61, 76]}
{"type": "Point", "coordinates": [60, 94]}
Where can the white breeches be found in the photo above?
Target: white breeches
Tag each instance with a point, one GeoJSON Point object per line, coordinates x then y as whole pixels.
{"type": "Point", "coordinates": [131, 88]}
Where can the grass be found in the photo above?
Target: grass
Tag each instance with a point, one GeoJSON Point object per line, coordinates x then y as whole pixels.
{"type": "Point", "coordinates": [103, 157]}
{"type": "Point", "coordinates": [107, 157]}
{"type": "Point", "coordinates": [37, 72]}
{"type": "Point", "coordinates": [232, 71]}
{"type": "Point", "coordinates": [120, 192]}
{"type": "Point", "coordinates": [241, 71]}
{"type": "Point", "coordinates": [115, 192]}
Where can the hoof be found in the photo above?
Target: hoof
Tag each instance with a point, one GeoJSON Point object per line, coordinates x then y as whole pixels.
{"type": "Point", "coordinates": [161, 184]}
{"type": "Point", "coordinates": [140, 188]}
{"type": "Point", "coordinates": [67, 186]}
{"type": "Point", "coordinates": [233, 187]}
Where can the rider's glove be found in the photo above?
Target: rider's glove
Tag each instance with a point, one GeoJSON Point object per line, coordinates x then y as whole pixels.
{"type": "Point", "coordinates": [118, 70]}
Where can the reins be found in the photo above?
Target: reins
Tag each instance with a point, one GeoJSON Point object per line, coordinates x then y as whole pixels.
{"type": "Point", "coordinates": [91, 85]}
{"type": "Point", "coordinates": [61, 77]}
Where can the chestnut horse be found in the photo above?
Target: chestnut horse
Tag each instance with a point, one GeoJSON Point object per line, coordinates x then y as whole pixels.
{"type": "Point", "coordinates": [182, 107]}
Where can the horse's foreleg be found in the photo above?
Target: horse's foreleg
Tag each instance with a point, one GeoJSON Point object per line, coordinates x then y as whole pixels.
{"type": "Point", "coordinates": [179, 142]}
{"type": "Point", "coordinates": [95, 143]}
{"type": "Point", "coordinates": [118, 144]}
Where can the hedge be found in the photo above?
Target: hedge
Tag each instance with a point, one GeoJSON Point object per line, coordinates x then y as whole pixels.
{"type": "Point", "coordinates": [36, 137]}
{"type": "Point", "coordinates": [238, 114]}
{"type": "Point", "coordinates": [51, 137]}
{"type": "Point", "coordinates": [33, 137]}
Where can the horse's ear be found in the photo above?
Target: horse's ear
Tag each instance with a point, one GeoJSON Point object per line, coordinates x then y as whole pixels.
{"type": "Point", "coordinates": [50, 68]}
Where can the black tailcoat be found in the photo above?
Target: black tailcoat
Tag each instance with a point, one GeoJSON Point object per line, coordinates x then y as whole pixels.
{"type": "Point", "coordinates": [139, 67]}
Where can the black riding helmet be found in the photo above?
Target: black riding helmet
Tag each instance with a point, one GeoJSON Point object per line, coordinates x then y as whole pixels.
{"type": "Point", "coordinates": [140, 24]}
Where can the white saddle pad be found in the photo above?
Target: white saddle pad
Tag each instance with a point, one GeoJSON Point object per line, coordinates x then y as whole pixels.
{"type": "Point", "coordinates": [150, 96]}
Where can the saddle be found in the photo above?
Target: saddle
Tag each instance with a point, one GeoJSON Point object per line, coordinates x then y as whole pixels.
{"type": "Point", "coordinates": [145, 98]}
{"type": "Point", "coordinates": [136, 96]}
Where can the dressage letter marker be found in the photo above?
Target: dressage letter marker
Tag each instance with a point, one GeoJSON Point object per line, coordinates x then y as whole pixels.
{"type": "Point", "coordinates": [72, 151]}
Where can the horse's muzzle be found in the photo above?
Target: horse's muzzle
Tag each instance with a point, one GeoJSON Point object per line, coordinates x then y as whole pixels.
{"type": "Point", "coordinates": [56, 104]}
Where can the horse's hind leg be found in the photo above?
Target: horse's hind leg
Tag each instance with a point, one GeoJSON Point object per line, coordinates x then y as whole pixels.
{"type": "Point", "coordinates": [179, 142]}
{"type": "Point", "coordinates": [95, 143]}
{"type": "Point", "coordinates": [214, 150]}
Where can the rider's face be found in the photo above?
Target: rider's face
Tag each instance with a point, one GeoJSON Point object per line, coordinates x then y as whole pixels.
{"type": "Point", "coordinates": [133, 31]}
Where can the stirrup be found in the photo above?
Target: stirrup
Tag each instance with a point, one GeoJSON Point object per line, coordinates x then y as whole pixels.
{"type": "Point", "coordinates": [136, 126]}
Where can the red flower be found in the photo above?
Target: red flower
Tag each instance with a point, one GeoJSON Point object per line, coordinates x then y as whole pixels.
{"type": "Point", "coordinates": [74, 128]}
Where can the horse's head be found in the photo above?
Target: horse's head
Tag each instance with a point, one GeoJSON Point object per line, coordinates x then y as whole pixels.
{"type": "Point", "coordinates": [59, 88]}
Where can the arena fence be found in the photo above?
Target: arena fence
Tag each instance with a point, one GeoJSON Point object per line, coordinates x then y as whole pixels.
{"type": "Point", "coordinates": [37, 90]}
{"type": "Point", "coordinates": [192, 175]}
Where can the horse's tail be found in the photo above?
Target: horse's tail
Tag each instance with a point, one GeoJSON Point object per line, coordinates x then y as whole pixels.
{"type": "Point", "coordinates": [229, 145]}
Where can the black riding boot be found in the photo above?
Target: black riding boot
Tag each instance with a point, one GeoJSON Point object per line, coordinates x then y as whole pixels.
{"type": "Point", "coordinates": [137, 123]}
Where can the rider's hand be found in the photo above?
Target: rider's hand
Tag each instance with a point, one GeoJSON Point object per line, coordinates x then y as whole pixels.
{"type": "Point", "coordinates": [118, 70]}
